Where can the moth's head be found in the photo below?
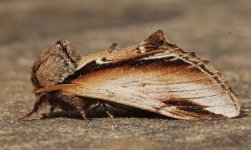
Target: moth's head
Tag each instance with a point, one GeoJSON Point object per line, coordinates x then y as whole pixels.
{"type": "Point", "coordinates": [54, 64]}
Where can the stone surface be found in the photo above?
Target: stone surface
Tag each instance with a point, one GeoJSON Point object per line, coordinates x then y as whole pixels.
{"type": "Point", "coordinates": [216, 30]}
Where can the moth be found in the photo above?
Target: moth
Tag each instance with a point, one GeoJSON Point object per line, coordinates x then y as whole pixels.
{"type": "Point", "coordinates": [155, 76]}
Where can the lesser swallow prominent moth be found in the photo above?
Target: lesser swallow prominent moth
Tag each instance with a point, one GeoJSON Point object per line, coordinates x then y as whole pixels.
{"type": "Point", "coordinates": [155, 76]}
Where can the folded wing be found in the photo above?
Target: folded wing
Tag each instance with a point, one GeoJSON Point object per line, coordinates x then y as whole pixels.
{"type": "Point", "coordinates": [161, 83]}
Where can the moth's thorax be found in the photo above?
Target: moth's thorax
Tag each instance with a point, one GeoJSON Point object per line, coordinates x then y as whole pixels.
{"type": "Point", "coordinates": [54, 64]}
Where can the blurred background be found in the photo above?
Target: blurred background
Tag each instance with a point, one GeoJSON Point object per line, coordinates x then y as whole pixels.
{"type": "Point", "coordinates": [217, 30]}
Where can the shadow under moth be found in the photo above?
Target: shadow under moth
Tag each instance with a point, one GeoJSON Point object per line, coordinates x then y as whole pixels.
{"type": "Point", "coordinates": [155, 76]}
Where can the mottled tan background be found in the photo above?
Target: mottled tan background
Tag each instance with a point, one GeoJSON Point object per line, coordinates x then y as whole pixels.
{"type": "Point", "coordinates": [218, 30]}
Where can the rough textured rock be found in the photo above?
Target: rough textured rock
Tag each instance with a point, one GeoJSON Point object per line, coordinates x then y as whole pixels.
{"type": "Point", "coordinates": [217, 30]}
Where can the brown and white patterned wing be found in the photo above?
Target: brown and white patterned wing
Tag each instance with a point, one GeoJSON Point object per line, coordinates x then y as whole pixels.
{"type": "Point", "coordinates": [161, 83]}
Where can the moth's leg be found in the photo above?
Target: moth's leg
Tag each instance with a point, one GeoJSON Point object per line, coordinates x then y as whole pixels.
{"type": "Point", "coordinates": [96, 106]}
{"type": "Point", "coordinates": [77, 103]}
{"type": "Point", "coordinates": [105, 107]}
{"type": "Point", "coordinates": [107, 111]}
{"type": "Point", "coordinates": [40, 100]}
{"type": "Point", "coordinates": [82, 111]}
{"type": "Point", "coordinates": [50, 113]}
